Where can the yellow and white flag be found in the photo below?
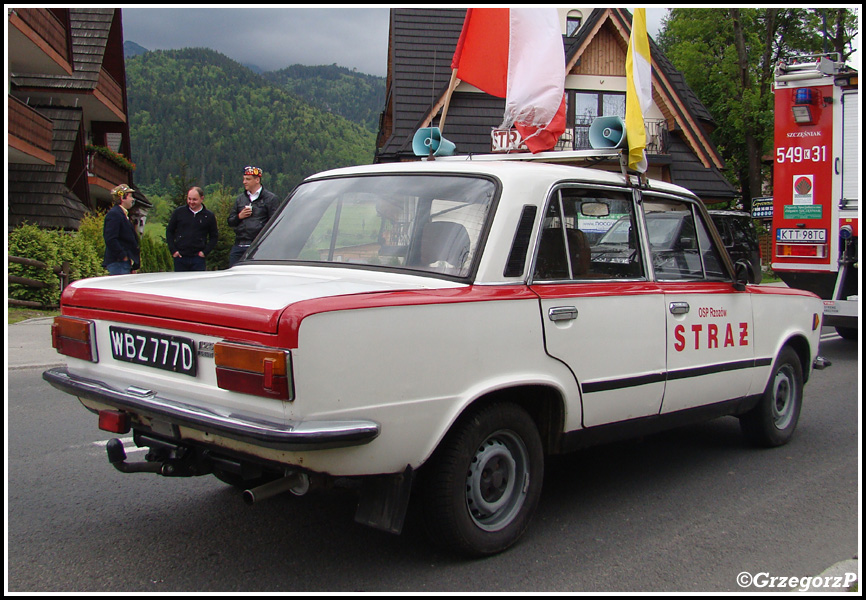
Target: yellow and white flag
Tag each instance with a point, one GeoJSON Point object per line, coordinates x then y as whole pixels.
{"type": "Point", "coordinates": [638, 98]}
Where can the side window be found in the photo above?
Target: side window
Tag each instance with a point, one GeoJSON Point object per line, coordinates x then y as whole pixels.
{"type": "Point", "coordinates": [724, 231]}
{"type": "Point", "coordinates": [680, 244]}
{"type": "Point", "coordinates": [588, 234]}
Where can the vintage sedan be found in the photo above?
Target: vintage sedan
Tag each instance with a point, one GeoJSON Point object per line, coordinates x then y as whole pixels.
{"type": "Point", "coordinates": [438, 326]}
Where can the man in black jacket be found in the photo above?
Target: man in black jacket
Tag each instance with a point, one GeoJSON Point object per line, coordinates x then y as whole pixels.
{"type": "Point", "coordinates": [251, 211]}
{"type": "Point", "coordinates": [122, 255]}
{"type": "Point", "coordinates": [191, 233]}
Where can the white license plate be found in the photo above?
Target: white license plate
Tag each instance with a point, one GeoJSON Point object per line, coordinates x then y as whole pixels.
{"type": "Point", "coordinates": [166, 352]}
{"type": "Point", "coordinates": [801, 235]}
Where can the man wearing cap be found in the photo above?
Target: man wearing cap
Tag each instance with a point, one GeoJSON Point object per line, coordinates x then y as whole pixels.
{"type": "Point", "coordinates": [121, 242]}
{"type": "Point", "coordinates": [251, 211]}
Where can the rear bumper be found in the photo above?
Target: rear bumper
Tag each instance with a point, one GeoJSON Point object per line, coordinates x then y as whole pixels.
{"type": "Point", "coordinates": [292, 436]}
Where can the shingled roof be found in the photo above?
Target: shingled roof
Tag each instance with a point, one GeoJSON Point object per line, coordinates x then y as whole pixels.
{"type": "Point", "coordinates": [40, 192]}
{"type": "Point", "coordinates": [89, 30]}
{"type": "Point", "coordinates": [421, 45]}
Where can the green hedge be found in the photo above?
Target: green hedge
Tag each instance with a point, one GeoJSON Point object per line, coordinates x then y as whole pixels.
{"type": "Point", "coordinates": [84, 250]}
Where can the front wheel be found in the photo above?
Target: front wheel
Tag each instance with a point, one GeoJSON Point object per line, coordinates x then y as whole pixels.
{"type": "Point", "coordinates": [483, 483]}
{"type": "Point", "coordinates": [773, 421]}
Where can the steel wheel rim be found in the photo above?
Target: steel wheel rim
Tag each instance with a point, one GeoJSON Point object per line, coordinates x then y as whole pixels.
{"type": "Point", "coordinates": [497, 481]}
{"type": "Point", "coordinates": [784, 398]}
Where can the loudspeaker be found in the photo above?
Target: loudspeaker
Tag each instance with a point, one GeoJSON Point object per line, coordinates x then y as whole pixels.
{"type": "Point", "coordinates": [607, 132]}
{"type": "Point", "coordinates": [429, 141]}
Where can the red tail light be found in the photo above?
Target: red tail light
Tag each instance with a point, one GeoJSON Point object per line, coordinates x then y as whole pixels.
{"type": "Point", "coordinates": [256, 370]}
{"type": "Point", "coordinates": [75, 338]}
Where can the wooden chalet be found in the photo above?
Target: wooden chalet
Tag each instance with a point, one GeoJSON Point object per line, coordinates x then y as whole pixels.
{"type": "Point", "coordinates": [595, 42]}
{"type": "Point", "coordinates": [68, 129]}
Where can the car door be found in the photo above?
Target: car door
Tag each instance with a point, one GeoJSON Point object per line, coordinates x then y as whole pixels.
{"type": "Point", "coordinates": [602, 316]}
{"type": "Point", "coordinates": [710, 351]}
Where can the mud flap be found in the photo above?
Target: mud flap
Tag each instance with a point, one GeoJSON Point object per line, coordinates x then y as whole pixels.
{"type": "Point", "coordinates": [384, 500]}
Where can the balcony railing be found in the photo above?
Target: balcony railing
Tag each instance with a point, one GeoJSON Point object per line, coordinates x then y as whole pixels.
{"type": "Point", "coordinates": [27, 124]}
{"type": "Point", "coordinates": [106, 170]}
{"type": "Point", "coordinates": [578, 137]}
{"type": "Point", "coordinates": [47, 26]}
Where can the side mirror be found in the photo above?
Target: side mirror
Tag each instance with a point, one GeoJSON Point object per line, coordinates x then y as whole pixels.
{"type": "Point", "coordinates": [741, 275]}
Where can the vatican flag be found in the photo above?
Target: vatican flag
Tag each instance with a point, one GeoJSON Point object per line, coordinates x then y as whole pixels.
{"type": "Point", "coordinates": [638, 99]}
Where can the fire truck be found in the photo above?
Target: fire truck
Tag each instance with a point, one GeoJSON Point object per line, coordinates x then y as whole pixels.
{"type": "Point", "coordinates": [815, 184]}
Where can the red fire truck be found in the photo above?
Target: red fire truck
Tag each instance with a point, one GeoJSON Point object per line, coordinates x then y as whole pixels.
{"type": "Point", "coordinates": [815, 179]}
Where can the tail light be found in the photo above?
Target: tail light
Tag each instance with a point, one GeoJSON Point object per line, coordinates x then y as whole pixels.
{"type": "Point", "coordinates": [256, 370]}
{"type": "Point", "coordinates": [74, 337]}
{"type": "Point", "coordinates": [802, 250]}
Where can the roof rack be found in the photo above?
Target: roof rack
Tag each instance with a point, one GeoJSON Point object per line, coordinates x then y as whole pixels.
{"type": "Point", "coordinates": [557, 156]}
{"type": "Point", "coordinates": [587, 157]}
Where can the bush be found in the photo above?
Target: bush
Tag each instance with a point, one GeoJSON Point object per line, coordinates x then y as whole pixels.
{"type": "Point", "coordinates": [28, 241]}
{"type": "Point", "coordinates": [155, 257]}
{"type": "Point", "coordinates": [83, 250]}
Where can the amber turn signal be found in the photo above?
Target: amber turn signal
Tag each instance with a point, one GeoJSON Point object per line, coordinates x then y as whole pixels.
{"type": "Point", "coordinates": [74, 337]}
{"type": "Point", "coordinates": [256, 370]}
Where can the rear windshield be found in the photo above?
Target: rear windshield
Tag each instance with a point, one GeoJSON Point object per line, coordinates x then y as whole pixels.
{"type": "Point", "coordinates": [424, 223]}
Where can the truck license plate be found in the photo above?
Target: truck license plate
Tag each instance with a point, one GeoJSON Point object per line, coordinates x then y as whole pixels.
{"type": "Point", "coordinates": [166, 352]}
{"type": "Point", "coordinates": [801, 235]}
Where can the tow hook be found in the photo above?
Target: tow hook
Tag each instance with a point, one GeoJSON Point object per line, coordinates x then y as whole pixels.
{"type": "Point", "coordinates": [821, 363]}
{"type": "Point", "coordinates": [117, 457]}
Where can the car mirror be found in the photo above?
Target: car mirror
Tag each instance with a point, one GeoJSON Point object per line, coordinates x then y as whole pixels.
{"type": "Point", "coordinates": [594, 209]}
{"type": "Point", "coordinates": [741, 275]}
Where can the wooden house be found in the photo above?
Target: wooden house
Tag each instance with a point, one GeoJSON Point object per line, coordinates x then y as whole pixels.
{"type": "Point", "coordinates": [595, 41]}
{"type": "Point", "coordinates": [68, 129]}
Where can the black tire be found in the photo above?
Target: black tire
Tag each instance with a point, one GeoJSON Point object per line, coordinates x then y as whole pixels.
{"type": "Point", "coordinates": [772, 422]}
{"type": "Point", "coordinates": [847, 333]}
{"type": "Point", "coordinates": [483, 483]}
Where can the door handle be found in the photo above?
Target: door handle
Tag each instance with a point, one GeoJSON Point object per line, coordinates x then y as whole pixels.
{"type": "Point", "coordinates": [679, 308]}
{"type": "Point", "coordinates": [562, 313]}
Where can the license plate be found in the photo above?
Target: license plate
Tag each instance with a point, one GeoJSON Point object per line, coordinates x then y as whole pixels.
{"type": "Point", "coordinates": [801, 235]}
{"type": "Point", "coordinates": [166, 352]}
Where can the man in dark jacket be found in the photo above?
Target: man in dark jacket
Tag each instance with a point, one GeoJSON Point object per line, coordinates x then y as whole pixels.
{"type": "Point", "coordinates": [191, 233]}
{"type": "Point", "coordinates": [251, 211]}
{"type": "Point", "coordinates": [121, 242]}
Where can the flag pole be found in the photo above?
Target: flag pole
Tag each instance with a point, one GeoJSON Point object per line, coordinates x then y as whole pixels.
{"type": "Point", "coordinates": [451, 86]}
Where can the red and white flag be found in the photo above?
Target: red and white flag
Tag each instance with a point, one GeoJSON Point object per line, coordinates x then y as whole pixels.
{"type": "Point", "coordinates": [517, 54]}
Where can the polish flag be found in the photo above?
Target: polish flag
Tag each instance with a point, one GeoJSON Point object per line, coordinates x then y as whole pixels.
{"type": "Point", "coordinates": [517, 54]}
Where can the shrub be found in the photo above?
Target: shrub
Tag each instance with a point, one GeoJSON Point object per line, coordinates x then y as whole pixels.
{"type": "Point", "coordinates": [83, 250]}
{"type": "Point", "coordinates": [29, 241]}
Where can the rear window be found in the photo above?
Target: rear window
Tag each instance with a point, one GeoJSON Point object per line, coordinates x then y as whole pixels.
{"type": "Point", "coordinates": [426, 223]}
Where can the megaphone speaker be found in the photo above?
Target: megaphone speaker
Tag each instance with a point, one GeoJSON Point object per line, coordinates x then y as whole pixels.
{"type": "Point", "coordinates": [607, 132]}
{"type": "Point", "coordinates": [429, 141]}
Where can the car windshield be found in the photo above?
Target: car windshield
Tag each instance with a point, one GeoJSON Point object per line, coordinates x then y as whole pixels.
{"type": "Point", "coordinates": [427, 223]}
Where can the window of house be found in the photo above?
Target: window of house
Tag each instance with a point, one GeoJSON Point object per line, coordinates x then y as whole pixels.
{"type": "Point", "coordinates": [589, 105]}
{"type": "Point", "coordinates": [572, 23]}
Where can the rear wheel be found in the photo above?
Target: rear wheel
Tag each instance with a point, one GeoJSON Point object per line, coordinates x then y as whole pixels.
{"type": "Point", "coordinates": [482, 485]}
{"type": "Point", "coordinates": [773, 421]}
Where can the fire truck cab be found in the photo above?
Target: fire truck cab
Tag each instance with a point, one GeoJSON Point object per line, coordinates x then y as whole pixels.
{"type": "Point", "coordinates": [815, 179]}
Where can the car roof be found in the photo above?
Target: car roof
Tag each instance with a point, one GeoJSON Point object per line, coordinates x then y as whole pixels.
{"type": "Point", "coordinates": [505, 170]}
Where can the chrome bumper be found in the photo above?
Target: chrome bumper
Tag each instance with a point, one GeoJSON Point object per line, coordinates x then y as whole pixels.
{"type": "Point", "coordinates": [293, 436]}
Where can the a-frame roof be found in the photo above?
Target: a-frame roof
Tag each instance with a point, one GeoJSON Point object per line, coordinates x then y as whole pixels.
{"type": "Point", "coordinates": [421, 45]}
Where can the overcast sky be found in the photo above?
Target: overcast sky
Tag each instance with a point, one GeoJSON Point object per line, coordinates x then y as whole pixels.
{"type": "Point", "coordinates": [273, 38]}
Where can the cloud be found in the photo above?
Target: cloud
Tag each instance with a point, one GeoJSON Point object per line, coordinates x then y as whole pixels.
{"type": "Point", "coordinates": [271, 38]}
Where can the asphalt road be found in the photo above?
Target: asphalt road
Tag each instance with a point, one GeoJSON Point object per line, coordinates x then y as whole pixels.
{"type": "Point", "coordinates": [690, 510]}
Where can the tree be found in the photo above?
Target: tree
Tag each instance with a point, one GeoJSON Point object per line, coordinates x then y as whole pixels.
{"type": "Point", "coordinates": [727, 57]}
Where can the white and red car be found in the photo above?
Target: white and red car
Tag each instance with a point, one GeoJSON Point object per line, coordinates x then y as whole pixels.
{"type": "Point", "coordinates": [443, 324]}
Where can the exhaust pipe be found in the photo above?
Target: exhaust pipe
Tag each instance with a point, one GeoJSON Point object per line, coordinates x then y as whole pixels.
{"type": "Point", "coordinates": [297, 483]}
